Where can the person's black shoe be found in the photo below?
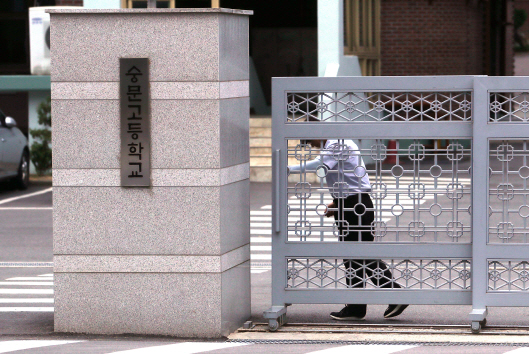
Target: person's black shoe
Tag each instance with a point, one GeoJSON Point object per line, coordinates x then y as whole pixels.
{"type": "Point", "coordinates": [350, 312]}
{"type": "Point", "coordinates": [394, 310]}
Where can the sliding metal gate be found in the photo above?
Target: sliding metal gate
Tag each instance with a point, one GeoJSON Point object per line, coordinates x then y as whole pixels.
{"type": "Point", "coordinates": [437, 150]}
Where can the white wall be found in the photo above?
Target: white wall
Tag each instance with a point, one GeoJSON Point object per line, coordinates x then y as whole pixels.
{"type": "Point", "coordinates": [102, 4]}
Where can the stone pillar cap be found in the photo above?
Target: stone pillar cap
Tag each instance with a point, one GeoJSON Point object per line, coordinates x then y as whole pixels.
{"type": "Point", "coordinates": [77, 10]}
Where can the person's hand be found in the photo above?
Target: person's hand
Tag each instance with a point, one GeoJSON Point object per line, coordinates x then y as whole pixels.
{"type": "Point", "coordinates": [328, 212]}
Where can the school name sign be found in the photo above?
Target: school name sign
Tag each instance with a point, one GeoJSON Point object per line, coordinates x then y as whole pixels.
{"type": "Point", "coordinates": [135, 122]}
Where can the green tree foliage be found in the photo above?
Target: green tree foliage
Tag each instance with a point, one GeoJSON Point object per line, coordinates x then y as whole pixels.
{"type": "Point", "coordinates": [520, 16]}
{"type": "Point", "coordinates": [41, 147]}
{"type": "Point", "coordinates": [520, 41]}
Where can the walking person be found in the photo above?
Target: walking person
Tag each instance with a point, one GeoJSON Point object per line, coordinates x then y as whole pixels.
{"type": "Point", "coordinates": [354, 213]}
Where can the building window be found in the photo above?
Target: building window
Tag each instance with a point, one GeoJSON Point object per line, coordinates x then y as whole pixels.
{"type": "Point", "coordinates": [142, 4]}
{"type": "Point", "coordinates": [362, 33]}
{"type": "Point", "coordinates": [170, 4]}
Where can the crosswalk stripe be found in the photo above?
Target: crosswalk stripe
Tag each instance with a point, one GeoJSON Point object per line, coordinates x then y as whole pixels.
{"type": "Point", "coordinates": [31, 278]}
{"type": "Point", "coordinates": [365, 349]}
{"type": "Point", "coordinates": [260, 232]}
{"type": "Point", "coordinates": [260, 257]}
{"type": "Point", "coordinates": [259, 212]}
{"type": "Point", "coordinates": [27, 208]}
{"type": "Point", "coordinates": [11, 302]}
{"type": "Point", "coordinates": [260, 240]}
{"type": "Point", "coordinates": [259, 271]}
{"type": "Point", "coordinates": [26, 309]}
{"type": "Point", "coordinates": [518, 351]}
{"type": "Point", "coordinates": [27, 283]}
{"type": "Point", "coordinates": [26, 291]}
{"type": "Point", "coordinates": [261, 248]}
{"type": "Point", "coordinates": [27, 300]}
{"type": "Point", "coordinates": [182, 348]}
{"type": "Point", "coordinates": [14, 345]}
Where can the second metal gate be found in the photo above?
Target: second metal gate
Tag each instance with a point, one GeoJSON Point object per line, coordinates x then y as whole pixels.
{"type": "Point", "coordinates": [425, 142]}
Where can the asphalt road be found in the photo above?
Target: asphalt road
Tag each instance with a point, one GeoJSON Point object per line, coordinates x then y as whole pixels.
{"type": "Point", "coordinates": [26, 223]}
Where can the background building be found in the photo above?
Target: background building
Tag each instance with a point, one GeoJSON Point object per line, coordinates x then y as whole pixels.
{"type": "Point", "coordinates": [384, 37]}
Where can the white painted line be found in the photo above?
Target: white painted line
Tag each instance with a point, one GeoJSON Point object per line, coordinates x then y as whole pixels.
{"type": "Point", "coordinates": [46, 275]}
{"type": "Point", "coordinates": [25, 196]}
{"type": "Point", "coordinates": [365, 349]}
{"type": "Point", "coordinates": [261, 257]}
{"type": "Point", "coordinates": [26, 291]}
{"type": "Point", "coordinates": [27, 283]}
{"type": "Point", "coordinates": [260, 213]}
{"type": "Point", "coordinates": [39, 278]}
{"type": "Point", "coordinates": [518, 351]}
{"type": "Point", "coordinates": [259, 271]}
{"type": "Point", "coordinates": [181, 348]}
{"type": "Point", "coordinates": [260, 224]}
{"type": "Point", "coordinates": [28, 208]}
{"type": "Point", "coordinates": [25, 309]}
{"type": "Point", "coordinates": [260, 248]}
{"type": "Point", "coordinates": [260, 218]}
{"type": "Point", "coordinates": [27, 301]}
{"type": "Point", "coordinates": [260, 232]}
{"type": "Point", "coordinates": [13, 345]}
{"type": "Point", "coordinates": [260, 240]}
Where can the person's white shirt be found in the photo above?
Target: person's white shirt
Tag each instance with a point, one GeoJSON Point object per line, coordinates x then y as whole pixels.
{"type": "Point", "coordinates": [342, 165]}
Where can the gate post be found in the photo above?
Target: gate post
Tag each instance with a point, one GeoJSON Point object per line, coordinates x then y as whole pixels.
{"type": "Point", "coordinates": [171, 258]}
{"type": "Point", "coordinates": [480, 202]}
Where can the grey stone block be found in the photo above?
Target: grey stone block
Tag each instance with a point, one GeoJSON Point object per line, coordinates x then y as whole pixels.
{"type": "Point", "coordinates": [235, 215]}
{"type": "Point", "coordinates": [181, 90]}
{"type": "Point", "coordinates": [199, 90]}
{"type": "Point", "coordinates": [185, 134]}
{"type": "Point", "coordinates": [234, 131]}
{"type": "Point", "coordinates": [85, 134]}
{"type": "Point", "coordinates": [144, 11]}
{"type": "Point", "coordinates": [234, 89]}
{"type": "Point", "coordinates": [85, 90]}
{"type": "Point", "coordinates": [236, 298]}
{"type": "Point", "coordinates": [91, 177]}
{"type": "Point", "coordinates": [186, 48]}
{"type": "Point", "coordinates": [114, 220]}
{"type": "Point", "coordinates": [234, 48]}
{"type": "Point", "coordinates": [182, 46]}
{"type": "Point", "coordinates": [150, 264]}
{"type": "Point", "coordinates": [184, 305]}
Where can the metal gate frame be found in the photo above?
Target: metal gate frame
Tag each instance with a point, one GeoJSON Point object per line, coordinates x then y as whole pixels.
{"type": "Point", "coordinates": [483, 251]}
{"type": "Point", "coordinates": [477, 129]}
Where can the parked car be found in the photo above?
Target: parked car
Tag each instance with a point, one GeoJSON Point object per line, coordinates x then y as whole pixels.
{"type": "Point", "coordinates": [14, 153]}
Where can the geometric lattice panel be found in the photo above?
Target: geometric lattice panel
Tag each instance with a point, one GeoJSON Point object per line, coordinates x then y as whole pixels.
{"type": "Point", "coordinates": [509, 107]}
{"type": "Point", "coordinates": [379, 106]}
{"type": "Point", "coordinates": [507, 275]}
{"type": "Point", "coordinates": [424, 197]}
{"type": "Point", "coordinates": [414, 274]}
{"type": "Point", "coordinates": [509, 191]}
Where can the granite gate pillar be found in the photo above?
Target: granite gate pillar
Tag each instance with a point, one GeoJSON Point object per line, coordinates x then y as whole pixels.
{"type": "Point", "coordinates": [172, 258]}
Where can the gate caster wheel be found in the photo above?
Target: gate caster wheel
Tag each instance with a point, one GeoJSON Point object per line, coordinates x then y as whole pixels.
{"type": "Point", "coordinates": [475, 327]}
{"type": "Point", "coordinates": [273, 325]}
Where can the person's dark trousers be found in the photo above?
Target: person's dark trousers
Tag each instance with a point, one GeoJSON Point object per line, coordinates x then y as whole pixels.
{"type": "Point", "coordinates": [354, 218]}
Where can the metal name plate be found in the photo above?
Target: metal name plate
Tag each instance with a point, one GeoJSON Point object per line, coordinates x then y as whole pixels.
{"type": "Point", "coordinates": [135, 122]}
